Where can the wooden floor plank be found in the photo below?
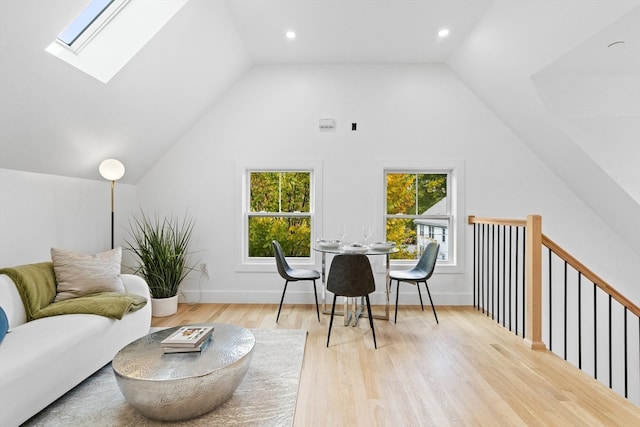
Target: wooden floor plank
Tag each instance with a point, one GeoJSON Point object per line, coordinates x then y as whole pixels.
{"type": "Point", "coordinates": [465, 371]}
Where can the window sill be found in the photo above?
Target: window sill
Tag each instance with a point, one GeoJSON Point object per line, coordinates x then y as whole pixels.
{"type": "Point", "coordinates": [379, 267]}
{"type": "Point", "coordinates": [269, 265]}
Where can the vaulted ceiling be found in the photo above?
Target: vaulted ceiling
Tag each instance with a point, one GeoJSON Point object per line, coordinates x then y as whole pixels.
{"type": "Point", "coordinates": [524, 58]}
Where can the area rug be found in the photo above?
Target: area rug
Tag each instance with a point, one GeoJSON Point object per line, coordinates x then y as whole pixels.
{"type": "Point", "coordinates": [265, 397]}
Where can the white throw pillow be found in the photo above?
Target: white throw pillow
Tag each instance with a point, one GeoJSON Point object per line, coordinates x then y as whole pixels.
{"type": "Point", "coordinates": [80, 274]}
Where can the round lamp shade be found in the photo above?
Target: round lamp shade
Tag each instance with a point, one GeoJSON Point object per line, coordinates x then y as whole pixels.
{"type": "Point", "coordinates": [111, 169]}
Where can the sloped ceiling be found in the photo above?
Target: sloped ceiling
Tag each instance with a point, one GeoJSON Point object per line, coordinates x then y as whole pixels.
{"type": "Point", "coordinates": [55, 119]}
{"type": "Point", "coordinates": [523, 54]}
{"type": "Point", "coordinates": [519, 56]}
{"type": "Point", "coordinates": [594, 93]}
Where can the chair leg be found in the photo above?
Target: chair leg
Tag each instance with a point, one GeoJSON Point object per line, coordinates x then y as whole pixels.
{"type": "Point", "coordinates": [395, 320]}
{"type": "Point", "coordinates": [420, 294]}
{"type": "Point", "coordinates": [432, 306]}
{"type": "Point", "coordinates": [333, 310]}
{"type": "Point", "coordinates": [281, 300]}
{"type": "Point", "coordinates": [315, 294]}
{"type": "Point", "coordinates": [375, 345]}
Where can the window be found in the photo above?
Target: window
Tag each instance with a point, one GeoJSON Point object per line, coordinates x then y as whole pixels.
{"type": "Point", "coordinates": [89, 22]}
{"type": "Point", "coordinates": [109, 33]}
{"type": "Point", "coordinates": [279, 208]}
{"type": "Point", "coordinates": [418, 208]}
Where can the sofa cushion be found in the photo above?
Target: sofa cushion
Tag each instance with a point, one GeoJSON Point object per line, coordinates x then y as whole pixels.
{"type": "Point", "coordinates": [80, 274]}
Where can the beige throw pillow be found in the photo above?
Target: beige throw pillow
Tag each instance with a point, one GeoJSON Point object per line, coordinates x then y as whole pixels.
{"type": "Point", "coordinates": [79, 274]}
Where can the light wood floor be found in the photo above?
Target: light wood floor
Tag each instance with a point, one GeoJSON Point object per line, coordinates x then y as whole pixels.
{"type": "Point", "coordinates": [466, 371]}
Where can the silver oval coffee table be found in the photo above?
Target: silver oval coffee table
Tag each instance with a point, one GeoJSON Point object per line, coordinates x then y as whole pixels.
{"type": "Point", "coordinates": [180, 386]}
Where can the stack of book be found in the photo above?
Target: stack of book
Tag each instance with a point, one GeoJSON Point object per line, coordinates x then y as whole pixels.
{"type": "Point", "coordinates": [187, 339]}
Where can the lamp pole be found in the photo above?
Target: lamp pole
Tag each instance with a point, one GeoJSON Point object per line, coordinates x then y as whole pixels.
{"type": "Point", "coordinates": [113, 210]}
{"type": "Point", "coordinates": [112, 170]}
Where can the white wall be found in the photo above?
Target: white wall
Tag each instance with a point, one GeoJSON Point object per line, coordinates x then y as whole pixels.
{"type": "Point", "coordinates": [39, 211]}
{"type": "Point", "coordinates": [413, 114]}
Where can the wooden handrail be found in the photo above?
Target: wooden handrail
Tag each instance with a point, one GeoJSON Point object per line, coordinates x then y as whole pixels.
{"type": "Point", "coordinates": [590, 275]}
{"type": "Point", "coordinates": [498, 221]}
{"type": "Point", "coordinates": [565, 256]}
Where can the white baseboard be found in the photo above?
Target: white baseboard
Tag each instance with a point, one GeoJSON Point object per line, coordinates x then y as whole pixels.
{"type": "Point", "coordinates": [301, 297]}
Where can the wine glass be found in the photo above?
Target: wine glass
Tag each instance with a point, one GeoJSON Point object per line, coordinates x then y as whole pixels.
{"type": "Point", "coordinates": [342, 232]}
{"type": "Point", "coordinates": [367, 232]}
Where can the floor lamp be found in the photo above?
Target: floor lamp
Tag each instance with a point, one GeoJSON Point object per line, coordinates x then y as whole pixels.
{"type": "Point", "coordinates": [112, 170]}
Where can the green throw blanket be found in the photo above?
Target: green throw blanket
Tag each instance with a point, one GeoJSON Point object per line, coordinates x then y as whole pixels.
{"type": "Point", "coordinates": [36, 284]}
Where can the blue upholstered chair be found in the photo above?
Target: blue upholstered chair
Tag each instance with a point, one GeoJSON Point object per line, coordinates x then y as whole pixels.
{"type": "Point", "coordinates": [419, 274]}
{"type": "Point", "coordinates": [293, 275]}
{"type": "Point", "coordinates": [351, 276]}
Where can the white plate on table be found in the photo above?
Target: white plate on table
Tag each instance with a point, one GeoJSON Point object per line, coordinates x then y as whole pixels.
{"type": "Point", "coordinates": [328, 244]}
{"type": "Point", "coordinates": [383, 246]}
{"type": "Point", "coordinates": [355, 249]}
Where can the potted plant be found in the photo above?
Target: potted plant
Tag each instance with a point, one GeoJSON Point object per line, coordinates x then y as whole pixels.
{"type": "Point", "coordinates": [161, 249]}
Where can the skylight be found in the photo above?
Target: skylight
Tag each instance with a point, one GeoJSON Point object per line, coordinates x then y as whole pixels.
{"type": "Point", "coordinates": [106, 35]}
{"type": "Point", "coordinates": [86, 25]}
{"type": "Point", "coordinates": [83, 21]}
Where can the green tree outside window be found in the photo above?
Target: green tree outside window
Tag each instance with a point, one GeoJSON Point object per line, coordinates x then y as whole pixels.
{"type": "Point", "coordinates": [409, 196]}
{"type": "Point", "coordinates": [279, 209]}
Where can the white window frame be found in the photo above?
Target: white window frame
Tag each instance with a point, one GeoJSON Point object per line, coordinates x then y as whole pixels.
{"type": "Point", "coordinates": [94, 27]}
{"type": "Point", "coordinates": [243, 170]}
{"type": "Point", "coordinates": [127, 31]}
{"type": "Point", "coordinates": [455, 204]}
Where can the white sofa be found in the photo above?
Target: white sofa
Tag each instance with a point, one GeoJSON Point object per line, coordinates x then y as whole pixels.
{"type": "Point", "coordinates": [42, 359]}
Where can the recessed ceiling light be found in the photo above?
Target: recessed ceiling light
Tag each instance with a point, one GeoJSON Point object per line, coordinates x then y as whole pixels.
{"type": "Point", "coordinates": [291, 35]}
{"type": "Point", "coordinates": [443, 32]}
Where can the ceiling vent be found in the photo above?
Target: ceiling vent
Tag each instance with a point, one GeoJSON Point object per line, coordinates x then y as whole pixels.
{"type": "Point", "coordinates": [327, 125]}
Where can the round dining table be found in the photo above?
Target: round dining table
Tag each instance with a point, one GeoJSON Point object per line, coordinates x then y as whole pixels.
{"type": "Point", "coordinates": [353, 313]}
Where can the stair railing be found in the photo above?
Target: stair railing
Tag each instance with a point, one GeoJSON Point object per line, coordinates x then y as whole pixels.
{"type": "Point", "coordinates": [518, 287]}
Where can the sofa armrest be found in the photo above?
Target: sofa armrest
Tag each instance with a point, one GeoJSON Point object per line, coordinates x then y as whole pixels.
{"type": "Point", "coordinates": [136, 285]}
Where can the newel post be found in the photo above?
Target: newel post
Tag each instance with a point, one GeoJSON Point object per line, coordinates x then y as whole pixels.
{"type": "Point", "coordinates": [534, 283]}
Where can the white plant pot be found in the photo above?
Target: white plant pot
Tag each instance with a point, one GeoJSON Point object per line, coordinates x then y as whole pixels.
{"type": "Point", "coordinates": [163, 307]}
